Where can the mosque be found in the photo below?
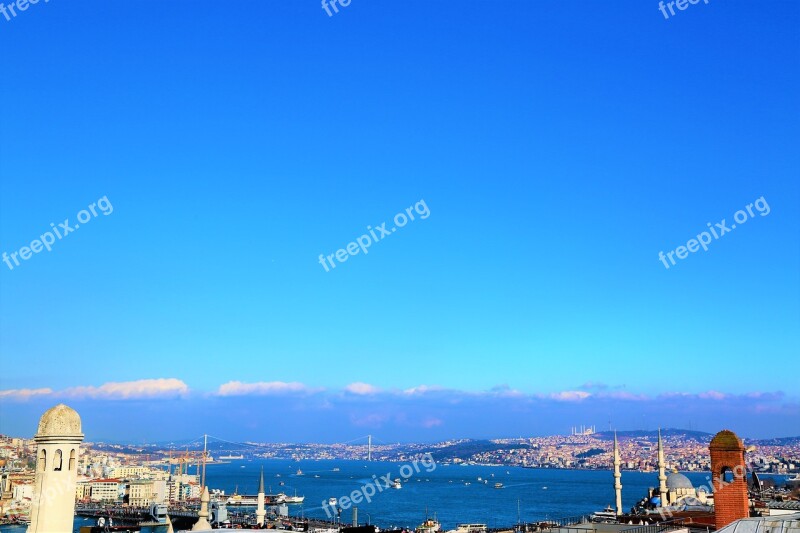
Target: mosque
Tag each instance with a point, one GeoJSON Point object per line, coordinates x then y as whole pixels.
{"type": "Point", "coordinates": [675, 491]}
{"type": "Point", "coordinates": [724, 502]}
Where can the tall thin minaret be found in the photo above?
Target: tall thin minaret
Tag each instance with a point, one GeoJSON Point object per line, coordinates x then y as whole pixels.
{"type": "Point", "coordinates": [617, 476]}
{"type": "Point", "coordinates": [202, 521]}
{"type": "Point", "coordinates": [58, 446]}
{"type": "Point", "coordinates": [260, 512]}
{"type": "Point", "coordinates": [662, 476]}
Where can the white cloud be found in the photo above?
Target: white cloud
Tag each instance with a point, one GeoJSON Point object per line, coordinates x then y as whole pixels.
{"type": "Point", "coordinates": [422, 389]}
{"type": "Point", "coordinates": [361, 389]}
{"type": "Point", "coordinates": [262, 388]}
{"type": "Point", "coordinates": [24, 394]}
{"type": "Point", "coordinates": [569, 396]}
{"type": "Point", "coordinates": [126, 390]}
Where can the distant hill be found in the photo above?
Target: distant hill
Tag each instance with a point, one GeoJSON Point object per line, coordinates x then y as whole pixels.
{"type": "Point", "coordinates": [466, 449]}
{"type": "Point", "coordinates": [700, 436]}
{"type": "Point", "coordinates": [782, 441]}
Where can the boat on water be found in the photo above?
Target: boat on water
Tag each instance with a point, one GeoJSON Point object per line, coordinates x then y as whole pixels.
{"type": "Point", "coordinates": [398, 484]}
{"type": "Point", "coordinates": [608, 514]}
{"type": "Point", "coordinates": [332, 502]}
{"type": "Point", "coordinates": [336, 469]}
{"type": "Point", "coordinates": [299, 472]}
{"type": "Point", "coordinates": [231, 457]}
{"type": "Point", "coordinates": [430, 525]}
{"type": "Point", "coordinates": [239, 500]}
{"type": "Point", "coordinates": [293, 499]}
{"type": "Point", "coordinates": [498, 485]}
{"type": "Point", "coordinates": [469, 528]}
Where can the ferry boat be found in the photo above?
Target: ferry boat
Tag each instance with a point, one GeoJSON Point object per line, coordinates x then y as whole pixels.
{"type": "Point", "coordinates": [239, 500]}
{"type": "Point", "coordinates": [293, 499]}
{"type": "Point", "coordinates": [606, 515]}
{"type": "Point", "coordinates": [231, 457]}
{"type": "Point", "coordinates": [430, 525]}
{"type": "Point", "coordinates": [332, 502]}
{"type": "Point", "coordinates": [398, 484]}
{"type": "Point", "coordinates": [469, 528]}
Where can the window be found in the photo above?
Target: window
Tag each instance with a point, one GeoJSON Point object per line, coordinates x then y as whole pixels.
{"type": "Point", "coordinates": [42, 460]}
{"type": "Point", "coordinates": [57, 461]}
{"type": "Point", "coordinates": [726, 476]}
{"type": "Point", "coordinates": [72, 460]}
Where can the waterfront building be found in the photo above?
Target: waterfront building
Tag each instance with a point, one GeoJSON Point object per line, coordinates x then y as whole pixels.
{"type": "Point", "coordinates": [128, 472]}
{"type": "Point", "coordinates": [140, 492]}
{"type": "Point", "coordinates": [104, 490]}
{"type": "Point", "coordinates": [58, 442]}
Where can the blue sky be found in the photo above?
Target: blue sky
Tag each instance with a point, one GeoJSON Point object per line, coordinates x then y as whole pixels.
{"type": "Point", "coordinates": [559, 147]}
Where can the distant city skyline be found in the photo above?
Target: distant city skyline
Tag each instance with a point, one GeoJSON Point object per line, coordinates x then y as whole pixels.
{"type": "Point", "coordinates": [559, 148]}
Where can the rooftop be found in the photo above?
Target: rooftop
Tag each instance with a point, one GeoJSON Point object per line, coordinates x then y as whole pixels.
{"type": "Point", "coordinates": [60, 420]}
{"type": "Point", "coordinates": [726, 439]}
{"type": "Point", "coordinates": [789, 523]}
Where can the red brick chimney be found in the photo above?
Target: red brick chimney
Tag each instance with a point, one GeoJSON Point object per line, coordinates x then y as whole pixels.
{"type": "Point", "coordinates": [729, 476]}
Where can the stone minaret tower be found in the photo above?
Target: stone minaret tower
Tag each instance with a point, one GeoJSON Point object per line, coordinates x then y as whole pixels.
{"type": "Point", "coordinates": [729, 476]}
{"type": "Point", "coordinates": [58, 446]}
{"type": "Point", "coordinates": [662, 476]}
{"type": "Point", "coordinates": [202, 516]}
{"type": "Point", "coordinates": [617, 476]}
{"type": "Point", "coordinates": [260, 512]}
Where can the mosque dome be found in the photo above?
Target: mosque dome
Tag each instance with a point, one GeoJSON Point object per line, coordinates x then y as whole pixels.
{"type": "Point", "coordinates": [726, 440]}
{"type": "Point", "coordinates": [59, 421]}
{"type": "Point", "coordinates": [677, 481]}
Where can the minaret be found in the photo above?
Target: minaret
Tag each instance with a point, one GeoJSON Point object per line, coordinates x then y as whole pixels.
{"type": "Point", "coordinates": [662, 476]}
{"type": "Point", "coordinates": [617, 476]}
{"type": "Point", "coordinates": [729, 477]}
{"type": "Point", "coordinates": [58, 444]}
{"type": "Point", "coordinates": [260, 512]}
{"type": "Point", "coordinates": [202, 522]}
